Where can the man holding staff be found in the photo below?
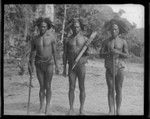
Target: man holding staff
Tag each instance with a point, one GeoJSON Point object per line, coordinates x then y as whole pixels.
{"type": "Point", "coordinates": [43, 47]}
{"type": "Point", "coordinates": [114, 50]}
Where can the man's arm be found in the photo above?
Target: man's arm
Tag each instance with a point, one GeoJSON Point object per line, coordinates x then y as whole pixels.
{"type": "Point", "coordinates": [125, 49]}
{"type": "Point", "coordinates": [54, 56]}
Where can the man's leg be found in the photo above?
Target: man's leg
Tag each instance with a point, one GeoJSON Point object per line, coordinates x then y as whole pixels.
{"type": "Point", "coordinates": [72, 83]}
{"type": "Point", "coordinates": [64, 65]}
{"type": "Point", "coordinates": [40, 76]}
{"type": "Point", "coordinates": [109, 80]}
{"type": "Point", "coordinates": [81, 80]}
{"type": "Point", "coordinates": [48, 80]}
{"type": "Point", "coordinates": [119, 82]}
{"type": "Point", "coordinates": [64, 58]}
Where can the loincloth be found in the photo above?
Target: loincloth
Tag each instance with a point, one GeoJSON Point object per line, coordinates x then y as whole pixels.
{"type": "Point", "coordinates": [41, 60]}
{"type": "Point", "coordinates": [119, 65]}
{"type": "Point", "coordinates": [82, 61]}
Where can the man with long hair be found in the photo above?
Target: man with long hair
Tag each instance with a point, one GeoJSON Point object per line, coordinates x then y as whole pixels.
{"type": "Point", "coordinates": [73, 47]}
{"type": "Point", "coordinates": [114, 50]}
{"type": "Point", "coordinates": [43, 50]}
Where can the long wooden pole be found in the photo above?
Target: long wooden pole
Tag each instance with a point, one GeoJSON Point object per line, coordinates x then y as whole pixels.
{"type": "Point", "coordinates": [114, 72]}
{"type": "Point", "coordinates": [30, 83]}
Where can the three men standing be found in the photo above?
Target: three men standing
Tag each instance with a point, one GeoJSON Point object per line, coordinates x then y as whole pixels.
{"type": "Point", "coordinates": [43, 47]}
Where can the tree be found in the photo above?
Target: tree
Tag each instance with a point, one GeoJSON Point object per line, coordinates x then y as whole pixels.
{"type": "Point", "coordinates": [18, 21]}
{"type": "Point", "coordinates": [17, 18]}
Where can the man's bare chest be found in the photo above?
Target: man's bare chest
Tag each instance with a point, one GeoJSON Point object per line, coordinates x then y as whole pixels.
{"type": "Point", "coordinates": [116, 44]}
{"type": "Point", "coordinates": [43, 41]}
{"type": "Point", "coordinates": [77, 41]}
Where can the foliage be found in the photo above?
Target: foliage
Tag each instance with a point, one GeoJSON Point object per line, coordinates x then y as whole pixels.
{"type": "Point", "coordinates": [18, 23]}
{"type": "Point", "coordinates": [17, 19]}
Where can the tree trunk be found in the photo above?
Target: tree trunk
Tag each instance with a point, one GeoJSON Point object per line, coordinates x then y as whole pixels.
{"type": "Point", "coordinates": [63, 27]}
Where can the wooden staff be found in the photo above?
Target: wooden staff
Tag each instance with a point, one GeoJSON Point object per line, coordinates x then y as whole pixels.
{"type": "Point", "coordinates": [30, 85]}
{"type": "Point", "coordinates": [114, 72]}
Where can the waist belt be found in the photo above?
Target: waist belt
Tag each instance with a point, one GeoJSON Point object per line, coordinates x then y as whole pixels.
{"type": "Point", "coordinates": [38, 59]}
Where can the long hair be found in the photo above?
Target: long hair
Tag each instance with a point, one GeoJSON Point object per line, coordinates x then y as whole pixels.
{"type": "Point", "coordinates": [38, 22]}
{"type": "Point", "coordinates": [123, 27]}
{"type": "Point", "coordinates": [72, 27]}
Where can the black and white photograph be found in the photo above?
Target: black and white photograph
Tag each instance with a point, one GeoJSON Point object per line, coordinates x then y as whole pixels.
{"type": "Point", "coordinates": [73, 59]}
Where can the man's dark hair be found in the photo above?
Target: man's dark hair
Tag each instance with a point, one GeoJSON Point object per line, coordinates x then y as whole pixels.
{"type": "Point", "coordinates": [123, 27]}
{"type": "Point", "coordinates": [73, 21]}
{"type": "Point", "coordinates": [38, 22]}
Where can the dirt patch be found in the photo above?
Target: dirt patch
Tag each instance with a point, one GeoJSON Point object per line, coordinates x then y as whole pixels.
{"type": "Point", "coordinates": [16, 92]}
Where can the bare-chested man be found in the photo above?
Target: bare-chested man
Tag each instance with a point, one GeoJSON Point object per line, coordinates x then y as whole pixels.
{"type": "Point", "coordinates": [43, 47]}
{"type": "Point", "coordinates": [74, 46]}
{"type": "Point", "coordinates": [114, 47]}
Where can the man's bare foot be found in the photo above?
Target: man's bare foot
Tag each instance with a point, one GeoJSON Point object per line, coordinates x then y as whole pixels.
{"type": "Point", "coordinates": [81, 112]}
{"type": "Point", "coordinates": [47, 111]}
{"type": "Point", "coordinates": [41, 114]}
{"type": "Point", "coordinates": [41, 110]}
{"type": "Point", "coordinates": [117, 112]}
{"type": "Point", "coordinates": [111, 113]}
{"type": "Point", "coordinates": [71, 112]}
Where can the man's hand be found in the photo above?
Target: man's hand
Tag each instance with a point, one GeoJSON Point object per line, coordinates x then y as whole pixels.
{"type": "Point", "coordinates": [117, 52]}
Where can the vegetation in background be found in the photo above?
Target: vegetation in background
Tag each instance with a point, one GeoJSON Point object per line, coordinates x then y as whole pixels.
{"type": "Point", "coordinates": [18, 20]}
